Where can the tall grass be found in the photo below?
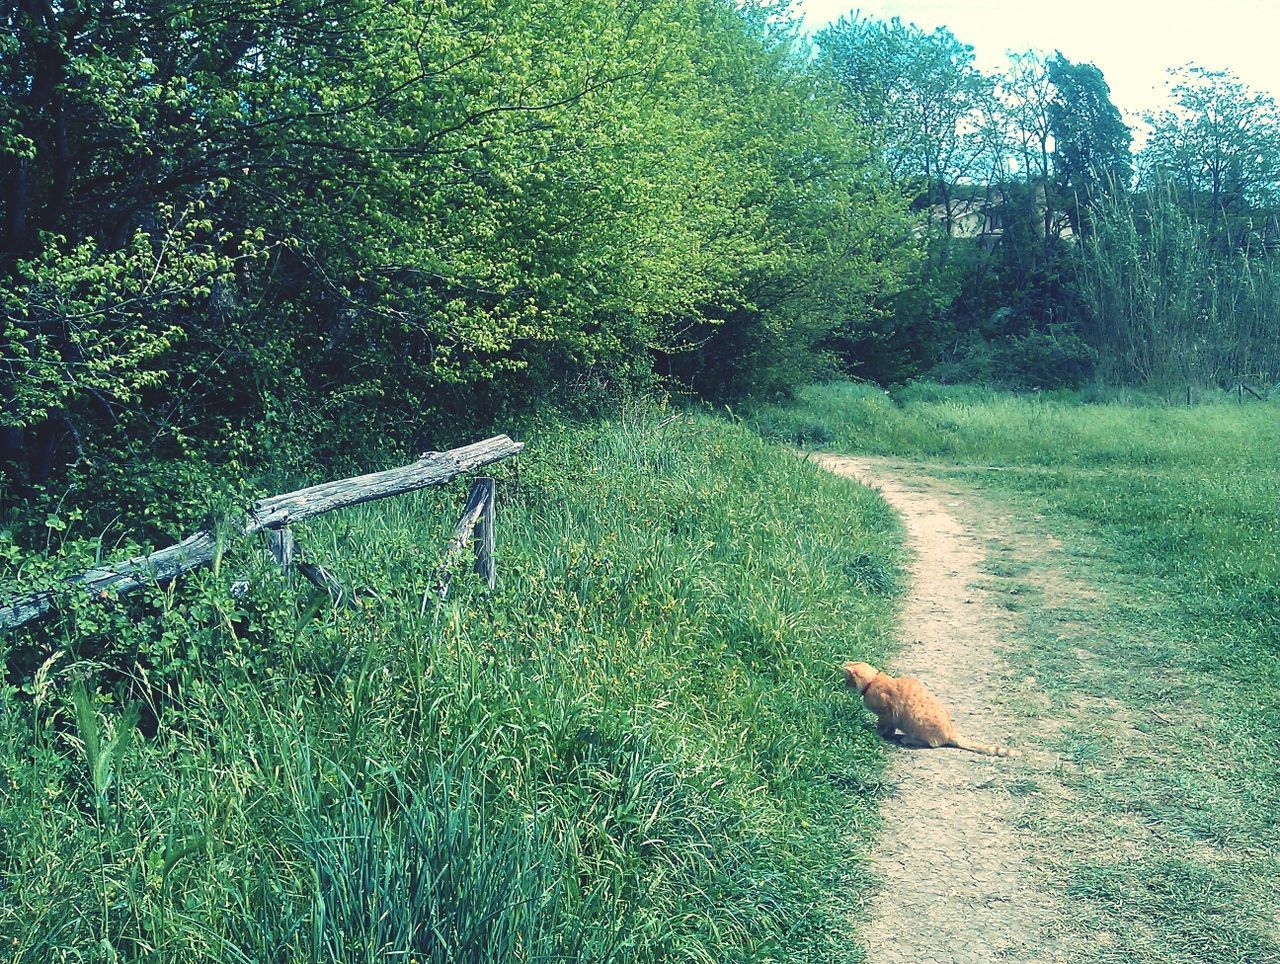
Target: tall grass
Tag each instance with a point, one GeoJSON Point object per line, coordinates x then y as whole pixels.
{"type": "Point", "coordinates": [1170, 305]}
{"type": "Point", "coordinates": [636, 749]}
{"type": "Point", "coordinates": [1173, 515]}
{"type": "Point", "coordinates": [974, 425]}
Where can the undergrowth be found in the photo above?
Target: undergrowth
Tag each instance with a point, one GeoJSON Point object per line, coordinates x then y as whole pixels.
{"type": "Point", "coordinates": [636, 749]}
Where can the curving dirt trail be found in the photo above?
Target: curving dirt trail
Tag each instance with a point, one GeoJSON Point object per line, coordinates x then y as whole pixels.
{"type": "Point", "coordinates": [958, 881]}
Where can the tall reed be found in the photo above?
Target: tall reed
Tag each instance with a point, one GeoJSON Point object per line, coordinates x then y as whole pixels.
{"type": "Point", "coordinates": [1170, 303]}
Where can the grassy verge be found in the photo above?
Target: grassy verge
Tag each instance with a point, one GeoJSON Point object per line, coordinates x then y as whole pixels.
{"type": "Point", "coordinates": [636, 749]}
{"type": "Point", "coordinates": [1165, 686]}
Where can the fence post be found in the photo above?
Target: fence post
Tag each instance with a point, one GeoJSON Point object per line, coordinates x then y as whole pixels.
{"type": "Point", "coordinates": [476, 505]}
{"type": "Point", "coordinates": [485, 538]}
{"type": "Point", "coordinates": [280, 542]}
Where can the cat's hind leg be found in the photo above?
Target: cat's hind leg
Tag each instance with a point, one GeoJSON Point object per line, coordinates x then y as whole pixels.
{"type": "Point", "coordinates": [885, 727]}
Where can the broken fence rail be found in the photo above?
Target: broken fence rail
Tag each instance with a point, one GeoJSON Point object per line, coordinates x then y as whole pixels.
{"type": "Point", "coordinates": [270, 514]}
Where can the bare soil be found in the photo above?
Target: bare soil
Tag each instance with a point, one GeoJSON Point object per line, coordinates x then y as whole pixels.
{"type": "Point", "coordinates": [959, 879]}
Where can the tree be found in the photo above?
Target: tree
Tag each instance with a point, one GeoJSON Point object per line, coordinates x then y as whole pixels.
{"type": "Point", "coordinates": [1026, 97]}
{"type": "Point", "coordinates": [928, 112]}
{"type": "Point", "coordinates": [831, 237]}
{"type": "Point", "coordinates": [1091, 140]}
{"type": "Point", "coordinates": [921, 96]}
{"type": "Point", "coordinates": [1220, 144]}
{"type": "Point", "coordinates": [224, 215]}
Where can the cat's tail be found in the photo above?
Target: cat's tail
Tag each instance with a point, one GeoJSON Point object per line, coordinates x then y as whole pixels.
{"type": "Point", "coordinates": [990, 749]}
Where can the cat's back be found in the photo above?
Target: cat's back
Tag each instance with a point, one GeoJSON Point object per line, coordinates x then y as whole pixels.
{"type": "Point", "coordinates": [928, 718]}
{"type": "Point", "coordinates": [910, 688]}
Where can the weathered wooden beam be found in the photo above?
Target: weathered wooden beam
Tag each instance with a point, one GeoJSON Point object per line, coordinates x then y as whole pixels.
{"type": "Point", "coordinates": [190, 553]}
{"type": "Point", "coordinates": [485, 533]}
{"type": "Point", "coordinates": [433, 468]}
{"type": "Point", "coordinates": [290, 556]}
{"type": "Point", "coordinates": [471, 515]}
{"type": "Point", "coordinates": [280, 545]}
{"type": "Point", "coordinates": [25, 610]}
{"type": "Point", "coordinates": [322, 578]}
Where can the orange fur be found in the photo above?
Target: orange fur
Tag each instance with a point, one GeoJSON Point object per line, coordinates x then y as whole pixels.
{"type": "Point", "coordinates": [904, 704]}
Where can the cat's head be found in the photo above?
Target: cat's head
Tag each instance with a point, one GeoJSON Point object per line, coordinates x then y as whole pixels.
{"type": "Point", "coordinates": [859, 675]}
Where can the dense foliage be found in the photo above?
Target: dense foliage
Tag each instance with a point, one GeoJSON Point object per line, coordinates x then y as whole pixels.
{"type": "Point", "coordinates": [234, 228]}
{"type": "Point", "coordinates": [302, 219]}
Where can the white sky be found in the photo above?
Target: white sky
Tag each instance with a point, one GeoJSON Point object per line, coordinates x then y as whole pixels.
{"type": "Point", "coordinates": [1131, 41]}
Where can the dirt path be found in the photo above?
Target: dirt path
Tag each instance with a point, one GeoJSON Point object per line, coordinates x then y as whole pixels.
{"type": "Point", "coordinates": [958, 882]}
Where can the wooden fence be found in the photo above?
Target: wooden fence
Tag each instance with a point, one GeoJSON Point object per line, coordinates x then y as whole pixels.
{"type": "Point", "coordinates": [276, 514]}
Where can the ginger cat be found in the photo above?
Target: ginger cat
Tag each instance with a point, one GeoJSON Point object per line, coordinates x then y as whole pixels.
{"type": "Point", "coordinates": [904, 704]}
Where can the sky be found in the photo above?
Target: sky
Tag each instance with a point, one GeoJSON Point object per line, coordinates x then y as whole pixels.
{"type": "Point", "coordinates": [1132, 42]}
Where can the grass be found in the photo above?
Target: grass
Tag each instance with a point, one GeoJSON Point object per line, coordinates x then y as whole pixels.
{"type": "Point", "coordinates": [973, 426]}
{"type": "Point", "coordinates": [636, 749]}
{"type": "Point", "coordinates": [1163, 676]}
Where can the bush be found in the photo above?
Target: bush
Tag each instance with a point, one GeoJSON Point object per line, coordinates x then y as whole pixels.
{"type": "Point", "coordinates": [1053, 359]}
{"type": "Point", "coordinates": [1035, 360]}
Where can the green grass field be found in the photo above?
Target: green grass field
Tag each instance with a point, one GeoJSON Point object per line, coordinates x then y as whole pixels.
{"type": "Point", "coordinates": [1166, 846]}
{"type": "Point", "coordinates": [637, 748]}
